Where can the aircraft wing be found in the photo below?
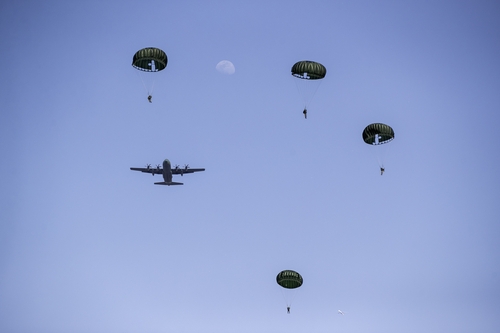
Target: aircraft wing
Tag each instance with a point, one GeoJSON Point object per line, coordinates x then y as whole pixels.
{"type": "Point", "coordinates": [154, 171]}
{"type": "Point", "coordinates": [182, 171]}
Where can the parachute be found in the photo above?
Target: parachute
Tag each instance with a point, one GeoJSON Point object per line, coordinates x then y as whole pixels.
{"type": "Point", "coordinates": [308, 70]}
{"type": "Point", "coordinates": [310, 74]}
{"type": "Point", "coordinates": [378, 134]}
{"type": "Point", "coordinates": [150, 60]}
{"type": "Point", "coordinates": [289, 279]}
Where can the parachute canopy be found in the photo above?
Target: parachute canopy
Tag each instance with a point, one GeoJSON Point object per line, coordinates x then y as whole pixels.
{"type": "Point", "coordinates": [150, 59]}
{"type": "Point", "coordinates": [308, 70]}
{"type": "Point", "coordinates": [377, 134]}
{"type": "Point", "coordinates": [289, 279]}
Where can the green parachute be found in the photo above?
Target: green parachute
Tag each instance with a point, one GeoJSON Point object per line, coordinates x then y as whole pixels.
{"type": "Point", "coordinates": [378, 134]}
{"type": "Point", "coordinates": [308, 70]}
{"type": "Point", "coordinates": [289, 279]}
{"type": "Point", "coordinates": [310, 74]}
{"type": "Point", "coordinates": [149, 60]}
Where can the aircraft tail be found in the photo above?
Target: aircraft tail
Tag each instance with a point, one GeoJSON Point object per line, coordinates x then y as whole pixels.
{"type": "Point", "coordinates": [168, 183]}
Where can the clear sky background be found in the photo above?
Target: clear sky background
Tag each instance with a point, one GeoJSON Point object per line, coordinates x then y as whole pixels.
{"type": "Point", "coordinates": [86, 245]}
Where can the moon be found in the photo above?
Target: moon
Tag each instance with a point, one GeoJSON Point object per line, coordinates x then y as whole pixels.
{"type": "Point", "coordinates": [225, 67]}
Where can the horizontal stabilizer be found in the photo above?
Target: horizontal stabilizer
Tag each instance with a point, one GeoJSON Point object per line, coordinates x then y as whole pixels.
{"type": "Point", "coordinates": [168, 183]}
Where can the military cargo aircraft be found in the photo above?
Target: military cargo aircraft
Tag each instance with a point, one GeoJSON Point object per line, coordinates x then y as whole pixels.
{"type": "Point", "coordinates": [167, 172]}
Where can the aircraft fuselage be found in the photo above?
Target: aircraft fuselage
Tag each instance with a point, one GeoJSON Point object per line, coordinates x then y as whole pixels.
{"type": "Point", "coordinates": [167, 171]}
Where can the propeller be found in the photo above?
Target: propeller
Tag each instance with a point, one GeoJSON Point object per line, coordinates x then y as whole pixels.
{"type": "Point", "coordinates": [177, 167]}
{"type": "Point", "coordinates": [186, 166]}
{"type": "Point", "coordinates": [148, 166]}
{"type": "Point", "coordinates": [157, 168]}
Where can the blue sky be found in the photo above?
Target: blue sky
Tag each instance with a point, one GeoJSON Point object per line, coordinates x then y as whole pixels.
{"type": "Point", "coordinates": [86, 245]}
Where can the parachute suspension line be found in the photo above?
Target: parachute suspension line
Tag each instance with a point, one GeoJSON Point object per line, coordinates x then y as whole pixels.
{"type": "Point", "coordinates": [143, 83]}
{"type": "Point", "coordinates": [376, 154]}
{"type": "Point", "coordinates": [379, 153]}
{"type": "Point", "coordinates": [153, 68]}
{"type": "Point", "coordinates": [288, 299]}
{"type": "Point", "coordinates": [381, 150]}
{"type": "Point", "coordinates": [383, 154]}
{"type": "Point", "coordinates": [380, 160]}
{"type": "Point", "coordinates": [304, 98]}
{"type": "Point", "coordinates": [378, 148]}
{"type": "Point", "coordinates": [284, 297]}
{"type": "Point", "coordinates": [315, 90]}
{"type": "Point", "coordinates": [152, 87]}
{"type": "Point", "coordinates": [307, 94]}
{"type": "Point", "coordinates": [298, 90]}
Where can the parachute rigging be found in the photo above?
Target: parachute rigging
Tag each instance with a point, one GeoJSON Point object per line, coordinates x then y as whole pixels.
{"type": "Point", "coordinates": [149, 60]}
{"type": "Point", "coordinates": [378, 134]}
{"type": "Point", "coordinates": [289, 279]}
{"type": "Point", "coordinates": [310, 74]}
